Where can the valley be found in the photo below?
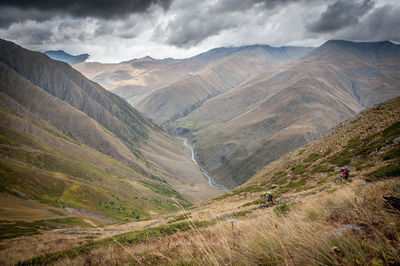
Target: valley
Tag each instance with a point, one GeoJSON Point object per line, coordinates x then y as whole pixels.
{"type": "Point", "coordinates": [224, 132]}
{"type": "Point", "coordinates": [244, 107]}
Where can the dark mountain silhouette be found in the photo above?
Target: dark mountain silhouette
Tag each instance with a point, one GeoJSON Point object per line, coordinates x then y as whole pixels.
{"type": "Point", "coordinates": [60, 55]}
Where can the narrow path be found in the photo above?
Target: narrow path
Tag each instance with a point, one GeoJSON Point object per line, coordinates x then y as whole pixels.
{"type": "Point", "coordinates": [211, 181]}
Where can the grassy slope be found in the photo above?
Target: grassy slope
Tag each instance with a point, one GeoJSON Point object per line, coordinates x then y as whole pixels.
{"type": "Point", "coordinates": [311, 228]}
{"type": "Point", "coordinates": [72, 144]}
{"type": "Point", "coordinates": [90, 181]}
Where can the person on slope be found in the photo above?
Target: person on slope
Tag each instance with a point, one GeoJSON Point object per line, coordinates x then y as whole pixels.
{"type": "Point", "coordinates": [268, 197]}
{"type": "Point", "coordinates": [344, 173]}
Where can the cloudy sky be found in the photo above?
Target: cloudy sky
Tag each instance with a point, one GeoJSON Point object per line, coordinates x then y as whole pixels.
{"type": "Point", "coordinates": [118, 30]}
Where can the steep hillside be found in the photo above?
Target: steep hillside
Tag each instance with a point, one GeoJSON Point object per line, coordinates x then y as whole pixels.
{"type": "Point", "coordinates": [368, 144]}
{"type": "Point", "coordinates": [315, 220]}
{"type": "Point", "coordinates": [67, 58]}
{"type": "Point", "coordinates": [278, 111]}
{"type": "Point", "coordinates": [71, 148]}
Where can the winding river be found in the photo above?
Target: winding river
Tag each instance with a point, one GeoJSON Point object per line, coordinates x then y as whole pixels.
{"type": "Point", "coordinates": [211, 181]}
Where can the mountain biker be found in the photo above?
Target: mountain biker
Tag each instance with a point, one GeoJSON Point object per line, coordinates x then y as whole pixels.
{"type": "Point", "coordinates": [344, 173]}
{"type": "Point", "coordinates": [268, 197]}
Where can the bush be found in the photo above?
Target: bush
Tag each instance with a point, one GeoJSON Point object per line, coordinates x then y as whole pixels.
{"type": "Point", "coordinates": [391, 154]}
{"type": "Point", "coordinates": [312, 158]}
{"type": "Point", "coordinates": [321, 169]}
{"type": "Point", "coordinates": [388, 171]}
{"type": "Point", "coordinates": [299, 169]}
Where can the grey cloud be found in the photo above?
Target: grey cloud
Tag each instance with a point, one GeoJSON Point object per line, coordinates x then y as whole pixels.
{"type": "Point", "coordinates": [199, 20]}
{"type": "Point", "coordinates": [239, 5]}
{"type": "Point", "coordinates": [29, 35]}
{"type": "Point", "coordinates": [40, 10]}
{"type": "Point", "coordinates": [341, 14]}
{"type": "Point", "coordinates": [187, 32]}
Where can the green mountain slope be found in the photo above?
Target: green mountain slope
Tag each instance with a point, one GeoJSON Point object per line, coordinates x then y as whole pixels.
{"type": "Point", "coordinates": [69, 147]}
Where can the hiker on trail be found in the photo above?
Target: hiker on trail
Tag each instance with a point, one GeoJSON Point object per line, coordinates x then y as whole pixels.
{"type": "Point", "coordinates": [268, 197]}
{"type": "Point", "coordinates": [344, 173]}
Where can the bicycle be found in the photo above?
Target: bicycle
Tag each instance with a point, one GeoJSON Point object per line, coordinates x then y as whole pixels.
{"type": "Point", "coordinates": [341, 178]}
{"type": "Point", "coordinates": [267, 204]}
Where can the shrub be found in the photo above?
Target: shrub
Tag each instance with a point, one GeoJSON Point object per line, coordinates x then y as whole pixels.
{"type": "Point", "coordinates": [388, 171]}
{"type": "Point", "coordinates": [391, 154]}
{"type": "Point", "coordinates": [299, 169]}
{"type": "Point", "coordinates": [312, 158]}
{"type": "Point", "coordinates": [321, 169]}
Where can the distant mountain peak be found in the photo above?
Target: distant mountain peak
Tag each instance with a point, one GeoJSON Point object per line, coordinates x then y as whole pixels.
{"type": "Point", "coordinates": [374, 49]}
{"type": "Point", "coordinates": [61, 55]}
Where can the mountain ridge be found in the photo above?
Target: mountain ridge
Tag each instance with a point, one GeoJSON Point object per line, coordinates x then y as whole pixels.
{"type": "Point", "coordinates": [61, 55]}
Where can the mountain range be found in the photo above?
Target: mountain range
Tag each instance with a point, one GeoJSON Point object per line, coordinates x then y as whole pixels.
{"type": "Point", "coordinates": [244, 107]}
{"type": "Point", "coordinates": [150, 84]}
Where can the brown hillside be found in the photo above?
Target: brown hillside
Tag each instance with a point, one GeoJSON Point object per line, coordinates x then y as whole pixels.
{"type": "Point", "coordinates": [264, 118]}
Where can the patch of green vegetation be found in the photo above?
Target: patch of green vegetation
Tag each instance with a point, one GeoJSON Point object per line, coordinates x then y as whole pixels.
{"type": "Point", "coordinates": [279, 174]}
{"type": "Point", "coordinates": [280, 181]}
{"type": "Point", "coordinates": [11, 137]}
{"type": "Point", "coordinates": [300, 169]}
{"type": "Point", "coordinates": [165, 190]}
{"type": "Point", "coordinates": [312, 157]}
{"type": "Point", "coordinates": [12, 229]}
{"type": "Point", "coordinates": [282, 209]}
{"type": "Point", "coordinates": [321, 169]}
{"type": "Point", "coordinates": [256, 202]}
{"type": "Point", "coordinates": [126, 239]}
{"type": "Point", "coordinates": [391, 154]}
{"type": "Point", "coordinates": [329, 151]}
{"type": "Point", "coordinates": [364, 147]}
{"type": "Point", "coordinates": [342, 158]}
{"type": "Point", "coordinates": [301, 152]}
{"type": "Point", "coordinates": [292, 185]}
{"type": "Point", "coordinates": [391, 131]}
{"type": "Point", "coordinates": [388, 171]}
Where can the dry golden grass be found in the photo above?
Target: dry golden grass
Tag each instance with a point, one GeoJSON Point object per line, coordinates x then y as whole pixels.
{"type": "Point", "coordinates": [311, 232]}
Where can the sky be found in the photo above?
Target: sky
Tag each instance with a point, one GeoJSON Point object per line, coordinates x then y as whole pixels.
{"type": "Point", "coordinates": [112, 31]}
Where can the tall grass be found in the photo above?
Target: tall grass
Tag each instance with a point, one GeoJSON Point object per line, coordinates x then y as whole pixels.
{"type": "Point", "coordinates": [351, 226]}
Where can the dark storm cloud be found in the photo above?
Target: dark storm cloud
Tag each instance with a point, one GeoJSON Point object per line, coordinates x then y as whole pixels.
{"type": "Point", "coordinates": [10, 15]}
{"type": "Point", "coordinates": [341, 14]}
{"type": "Point", "coordinates": [40, 10]}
